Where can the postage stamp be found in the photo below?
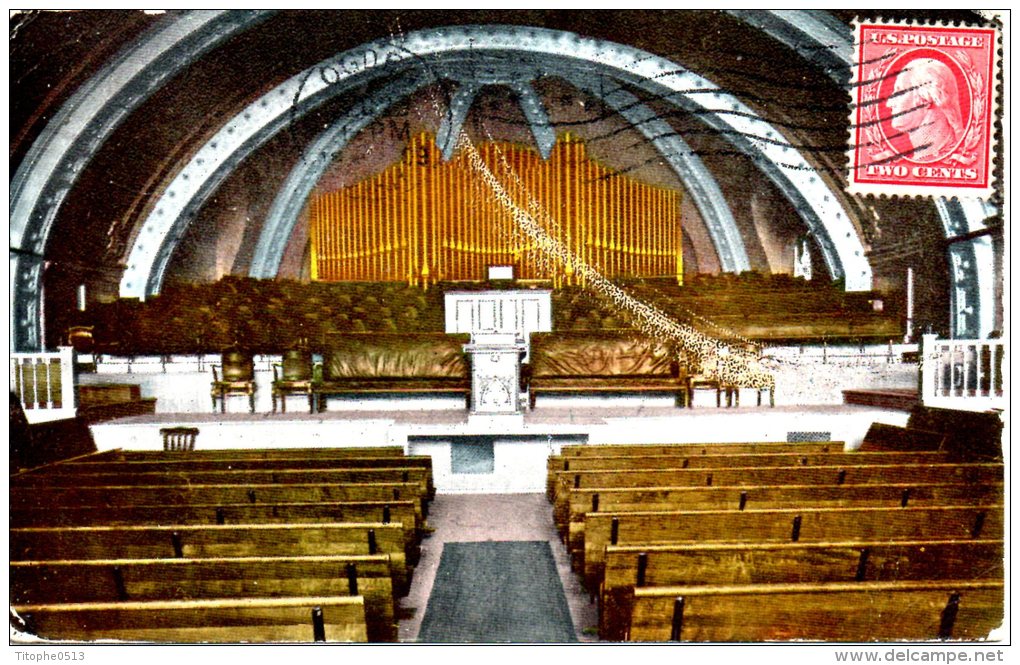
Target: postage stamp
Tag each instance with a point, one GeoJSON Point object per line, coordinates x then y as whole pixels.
{"type": "Point", "coordinates": [922, 110]}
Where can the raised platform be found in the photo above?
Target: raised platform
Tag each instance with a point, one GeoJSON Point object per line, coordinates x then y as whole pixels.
{"type": "Point", "coordinates": [501, 454]}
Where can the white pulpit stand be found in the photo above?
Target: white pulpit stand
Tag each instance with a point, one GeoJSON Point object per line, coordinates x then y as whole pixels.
{"type": "Point", "coordinates": [500, 324]}
{"type": "Point", "coordinates": [496, 376]}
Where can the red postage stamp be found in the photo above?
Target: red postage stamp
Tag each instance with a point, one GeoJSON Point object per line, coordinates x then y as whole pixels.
{"type": "Point", "coordinates": [923, 101]}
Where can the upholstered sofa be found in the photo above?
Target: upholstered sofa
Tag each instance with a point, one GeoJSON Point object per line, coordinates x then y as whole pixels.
{"type": "Point", "coordinates": [602, 361]}
{"type": "Point", "coordinates": [393, 363]}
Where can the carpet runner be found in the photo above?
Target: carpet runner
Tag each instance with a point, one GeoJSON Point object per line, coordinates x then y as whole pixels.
{"type": "Point", "coordinates": [488, 592]}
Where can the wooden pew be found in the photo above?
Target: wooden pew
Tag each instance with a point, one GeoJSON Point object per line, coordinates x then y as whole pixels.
{"type": "Point", "coordinates": [221, 621]}
{"type": "Point", "coordinates": [742, 448]}
{"type": "Point", "coordinates": [629, 567]}
{"type": "Point", "coordinates": [722, 461]}
{"type": "Point", "coordinates": [184, 462]}
{"type": "Point", "coordinates": [785, 525]}
{"type": "Point", "coordinates": [404, 512]}
{"type": "Point", "coordinates": [227, 541]}
{"type": "Point", "coordinates": [262, 453]}
{"type": "Point", "coordinates": [978, 473]}
{"type": "Point", "coordinates": [227, 477]}
{"type": "Point", "coordinates": [621, 500]}
{"type": "Point", "coordinates": [120, 580]}
{"type": "Point", "coordinates": [179, 495]}
{"type": "Point", "coordinates": [832, 612]}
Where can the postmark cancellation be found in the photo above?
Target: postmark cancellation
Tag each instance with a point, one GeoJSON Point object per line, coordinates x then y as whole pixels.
{"type": "Point", "coordinates": [922, 111]}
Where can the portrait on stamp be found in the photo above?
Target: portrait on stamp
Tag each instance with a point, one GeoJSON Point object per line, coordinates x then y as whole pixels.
{"type": "Point", "coordinates": [922, 110]}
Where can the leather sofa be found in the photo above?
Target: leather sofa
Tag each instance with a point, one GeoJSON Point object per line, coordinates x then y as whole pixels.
{"type": "Point", "coordinates": [602, 361]}
{"type": "Point", "coordinates": [360, 364]}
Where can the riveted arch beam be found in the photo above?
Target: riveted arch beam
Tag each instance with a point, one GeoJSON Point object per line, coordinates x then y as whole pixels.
{"type": "Point", "coordinates": [79, 129]}
{"type": "Point", "coordinates": [844, 253]}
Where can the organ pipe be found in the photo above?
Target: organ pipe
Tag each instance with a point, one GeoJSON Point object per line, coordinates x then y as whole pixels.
{"type": "Point", "coordinates": [423, 219]}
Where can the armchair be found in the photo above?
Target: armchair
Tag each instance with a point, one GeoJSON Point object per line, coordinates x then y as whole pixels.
{"type": "Point", "coordinates": [237, 377]}
{"type": "Point", "coordinates": [294, 376]}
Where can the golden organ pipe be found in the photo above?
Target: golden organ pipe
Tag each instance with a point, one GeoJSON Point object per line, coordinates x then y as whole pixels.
{"type": "Point", "coordinates": [575, 176]}
{"type": "Point", "coordinates": [424, 210]}
{"type": "Point", "coordinates": [663, 269]}
{"type": "Point", "coordinates": [628, 229]}
{"type": "Point", "coordinates": [390, 211]}
{"type": "Point", "coordinates": [667, 224]}
{"type": "Point", "coordinates": [355, 232]}
{"type": "Point", "coordinates": [646, 227]}
{"type": "Point", "coordinates": [660, 244]}
{"type": "Point", "coordinates": [332, 223]}
{"type": "Point", "coordinates": [329, 222]}
{"type": "Point", "coordinates": [325, 233]}
{"type": "Point", "coordinates": [367, 231]}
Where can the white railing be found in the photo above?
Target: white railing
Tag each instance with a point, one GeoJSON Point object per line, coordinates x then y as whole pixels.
{"type": "Point", "coordinates": [965, 374]}
{"type": "Point", "coordinates": [44, 382]}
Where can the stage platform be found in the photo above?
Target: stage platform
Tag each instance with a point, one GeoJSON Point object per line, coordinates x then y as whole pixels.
{"type": "Point", "coordinates": [501, 454]}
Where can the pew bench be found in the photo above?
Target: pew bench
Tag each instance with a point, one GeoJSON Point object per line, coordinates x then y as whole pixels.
{"type": "Point", "coordinates": [743, 448]}
{"type": "Point", "coordinates": [386, 512]}
{"type": "Point", "coordinates": [54, 479]}
{"type": "Point", "coordinates": [830, 612]}
{"type": "Point", "coordinates": [404, 513]}
{"type": "Point", "coordinates": [182, 495]}
{"type": "Point", "coordinates": [220, 621]}
{"type": "Point", "coordinates": [722, 461]}
{"type": "Point", "coordinates": [722, 564]}
{"type": "Point", "coordinates": [215, 541]}
{"type": "Point", "coordinates": [584, 501]}
{"type": "Point", "coordinates": [121, 580]}
{"type": "Point", "coordinates": [257, 453]}
{"type": "Point", "coordinates": [975, 474]}
{"type": "Point", "coordinates": [189, 463]}
{"type": "Point", "coordinates": [782, 525]}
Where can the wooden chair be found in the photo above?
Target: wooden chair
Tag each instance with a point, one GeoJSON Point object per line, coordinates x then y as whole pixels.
{"type": "Point", "coordinates": [238, 378]}
{"type": "Point", "coordinates": [179, 439]}
{"type": "Point", "coordinates": [294, 376]}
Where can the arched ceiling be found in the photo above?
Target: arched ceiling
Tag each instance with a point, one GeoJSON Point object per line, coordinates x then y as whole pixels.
{"type": "Point", "coordinates": [216, 129]}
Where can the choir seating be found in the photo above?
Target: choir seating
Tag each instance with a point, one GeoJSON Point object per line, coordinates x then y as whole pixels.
{"type": "Point", "coordinates": [189, 318]}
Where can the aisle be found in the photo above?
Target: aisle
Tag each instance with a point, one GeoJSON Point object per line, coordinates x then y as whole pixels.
{"type": "Point", "coordinates": [480, 518]}
{"type": "Point", "coordinates": [497, 592]}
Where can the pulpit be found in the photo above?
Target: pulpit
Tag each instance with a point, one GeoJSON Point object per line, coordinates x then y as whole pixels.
{"type": "Point", "coordinates": [500, 323]}
{"type": "Point", "coordinates": [496, 375]}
